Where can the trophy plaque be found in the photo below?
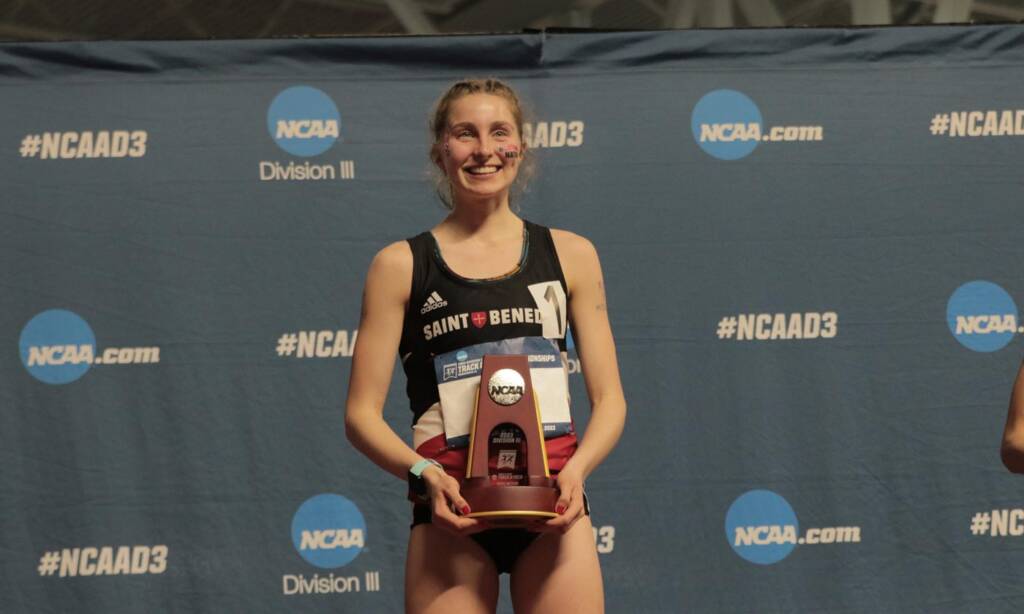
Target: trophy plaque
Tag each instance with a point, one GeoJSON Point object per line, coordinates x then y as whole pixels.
{"type": "Point", "coordinates": [507, 479]}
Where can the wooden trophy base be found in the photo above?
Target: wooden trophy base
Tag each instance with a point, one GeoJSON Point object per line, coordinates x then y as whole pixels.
{"type": "Point", "coordinates": [511, 506]}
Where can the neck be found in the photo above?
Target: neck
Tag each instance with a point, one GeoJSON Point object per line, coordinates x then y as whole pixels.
{"type": "Point", "coordinates": [488, 217]}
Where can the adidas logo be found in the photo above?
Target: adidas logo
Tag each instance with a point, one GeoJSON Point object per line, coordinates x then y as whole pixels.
{"type": "Point", "coordinates": [434, 301]}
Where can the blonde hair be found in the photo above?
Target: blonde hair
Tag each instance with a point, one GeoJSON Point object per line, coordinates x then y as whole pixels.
{"type": "Point", "coordinates": [439, 123]}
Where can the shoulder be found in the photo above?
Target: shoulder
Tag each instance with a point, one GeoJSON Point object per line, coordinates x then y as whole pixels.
{"type": "Point", "coordinates": [396, 257]}
{"type": "Point", "coordinates": [573, 248]}
{"type": "Point", "coordinates": [391, 269]}
{"type": "Point", "coordinates": [577, 256]}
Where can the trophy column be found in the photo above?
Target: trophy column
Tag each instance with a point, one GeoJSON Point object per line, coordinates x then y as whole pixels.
{"type": "Point", "coordinates": [507, 478]}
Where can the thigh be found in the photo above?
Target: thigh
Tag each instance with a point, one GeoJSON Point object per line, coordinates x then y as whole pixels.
{"type": "Point", "coordinates": [559, 574]}
{"type": "Point", "coordinates": [445, 573]}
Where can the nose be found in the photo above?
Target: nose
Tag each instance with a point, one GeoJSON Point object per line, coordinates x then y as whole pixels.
{"type": "Point", "coordinates": [484, 148]}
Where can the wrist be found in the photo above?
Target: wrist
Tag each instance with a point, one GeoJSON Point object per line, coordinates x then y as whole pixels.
{"type": "Point", "coordinates": [419, 475]}
{"type": "Point", "coordinates": [577, 466]}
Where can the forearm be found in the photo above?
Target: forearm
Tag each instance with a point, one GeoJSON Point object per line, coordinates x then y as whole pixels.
{"type": "Point", "coordinates": [603, 431]}
{"type": "Point", "coordinates": [374, 438]}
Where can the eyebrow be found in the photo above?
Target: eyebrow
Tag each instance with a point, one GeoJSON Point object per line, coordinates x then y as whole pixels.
{"type": "Point", "coordinates": [495, 124]}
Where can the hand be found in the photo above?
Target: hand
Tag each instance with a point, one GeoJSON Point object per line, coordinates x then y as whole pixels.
{"type": "Point", "coordinates": [443, 491]}
{"type": "Point", "coordinates": [569, 506]}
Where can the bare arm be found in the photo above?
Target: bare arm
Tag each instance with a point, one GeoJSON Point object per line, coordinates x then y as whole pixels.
{"type": "Point", "coordinates": [380, 330]}
{"type": "Point", "coordinates": [1012, 450]}
{"type": "Point", "coordinates": [588, 313]}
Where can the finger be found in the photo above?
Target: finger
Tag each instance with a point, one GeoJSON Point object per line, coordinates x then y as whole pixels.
{"type": "Point", "coordinates": [569, 488]}
{"type": "Point", "coordinates": [447, 493]}
{"type": "Point", "coordinates": [568, 517]}
{"type": "Point", "coordinates": [445, 519]}
{"type": "Point", "coordinates": [460, 504]}
{"type": "Point", "coordinates": [449, 505]}
{"type": "Point", "coordinates": [564, 500]}
{"type": "Point", "coordinates": [560, 525]}
{"type": "Point", "coordinates": [475, 527]}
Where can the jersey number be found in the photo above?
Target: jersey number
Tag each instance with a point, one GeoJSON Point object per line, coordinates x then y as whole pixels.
{"type": "Point", "coordinates": [550, 299]}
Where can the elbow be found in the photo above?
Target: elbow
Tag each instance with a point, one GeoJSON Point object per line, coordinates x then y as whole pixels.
{"type": "Point", "coordinates": [1012, 455]}
{"type": "Point", "coordinates": [352, 429]}
{"type": "Point", "coordinates": [622, 416]}
{"type": "Point", "coordinates": [349, 430]}
{"type": "Point", "coordinates": [623, 410]}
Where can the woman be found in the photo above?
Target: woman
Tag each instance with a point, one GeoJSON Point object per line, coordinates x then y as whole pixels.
{"type": "Point", "coordinates": [481, 257]}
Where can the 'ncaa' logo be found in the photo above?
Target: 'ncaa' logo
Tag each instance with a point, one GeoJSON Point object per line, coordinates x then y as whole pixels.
{"type": "Point", "coordinates": [726, 124]}
{"type": "Point", "coordinates": [506, 387]}
{"type": "Point", "coordinates": [982, 316]}
{"type": "Point", "coordinates": [303, 121]}
{"type": "Point", "coordinates": [57, 346]}
{"type": "Point", "coordinates": [328, 531]}
{"type": "Point", "coordinates": [761, 527]}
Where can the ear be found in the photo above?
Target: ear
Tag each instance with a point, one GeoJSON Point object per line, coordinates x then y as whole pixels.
{"type": "Point", "coordinates": [435, 157]}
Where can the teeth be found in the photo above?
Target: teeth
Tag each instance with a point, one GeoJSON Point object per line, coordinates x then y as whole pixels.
{"type": "Point", "coordinates": [482, 170]}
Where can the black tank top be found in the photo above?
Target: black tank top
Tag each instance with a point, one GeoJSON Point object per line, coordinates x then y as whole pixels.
{"type": "Point", "coordinates": [447, 312]}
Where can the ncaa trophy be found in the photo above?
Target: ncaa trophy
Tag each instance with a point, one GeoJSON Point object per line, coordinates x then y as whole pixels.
{"type": "Point", "coordinates": [507, 479]}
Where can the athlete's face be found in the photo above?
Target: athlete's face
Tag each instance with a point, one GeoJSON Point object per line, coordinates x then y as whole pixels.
{"type": "Point", "coordinates": [481, 149]}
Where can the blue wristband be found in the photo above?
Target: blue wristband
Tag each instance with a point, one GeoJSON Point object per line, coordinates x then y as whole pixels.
{"type": "Point", "coordinates": [418, 469]}
{"type": "Point", "coordinates": [417, 485]}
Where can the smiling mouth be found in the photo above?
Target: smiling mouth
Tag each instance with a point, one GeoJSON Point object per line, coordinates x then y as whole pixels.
{"type": "Point", "coordinates": [483, 170]}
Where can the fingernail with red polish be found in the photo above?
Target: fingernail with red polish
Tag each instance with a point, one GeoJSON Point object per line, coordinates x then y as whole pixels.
{"type": "Point", "coordinates": [559, 508]}
{"type": "Point", "coordinates": [465, 510]}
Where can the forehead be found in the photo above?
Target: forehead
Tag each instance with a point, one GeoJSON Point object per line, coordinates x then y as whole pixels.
{"type": "Point", "coordinates": [480, 108]}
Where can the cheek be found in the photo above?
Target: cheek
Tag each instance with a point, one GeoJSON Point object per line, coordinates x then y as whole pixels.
{"type": "Point", "coordinates": [456, 152]}
{"type": "Point", "coordinates": [456, 155]}
{"type": "Point", "coordinates": [509, 152]}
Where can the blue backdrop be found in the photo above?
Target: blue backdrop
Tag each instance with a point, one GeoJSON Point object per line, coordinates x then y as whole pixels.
{"type": "Point", "coordinates": [811, 241]}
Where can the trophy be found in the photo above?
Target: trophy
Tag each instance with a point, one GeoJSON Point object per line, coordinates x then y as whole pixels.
{"type": "Point", "coordinates": [507, 479]}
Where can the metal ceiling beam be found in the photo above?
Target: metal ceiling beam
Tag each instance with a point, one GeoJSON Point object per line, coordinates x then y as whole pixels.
{"type": "Point", "coordinates": [681, 14]}
{"type": "Point", "coordinates": [271, 24]}
{"type": "Point", "coordinates": [581, 15]}
{"type": "Point", "coordinates": [761, 13]}
{"type": "Point", "coordinates": [804, 13]}
{"type": "Point", "coordinates": [22, 32]}
{"type": "Point", "coordinates": [717, 14]}
{"type": "Point", "coordinates": [47, 12]}
{"type": "Point", "coordinates": [491, 15]}
{"type": "Point", "coordinates": [952, 11]}
{"type": "Point", "coordinates": [581, 18]}
{"type": "Point", "coordinates": [427, 7]}
{"type": "Point", "coordinates": [691, 13]}
{"type": "Point", "coordinates": [193, 26]}
{"type": "Point", "coordinates": [411, 17]}
{"type": "Point", "coordinates": [655, 9]}
{"type": "Point", "coordinates": [871, 12]}
{"type": "Point", "coordinates": [999, 10]}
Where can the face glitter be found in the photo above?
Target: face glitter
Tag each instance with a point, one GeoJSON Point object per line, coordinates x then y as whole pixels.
{"type": "Point", "coordinates": [509, 152]}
